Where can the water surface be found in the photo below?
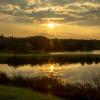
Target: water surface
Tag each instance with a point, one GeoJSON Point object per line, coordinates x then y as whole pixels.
{"type": "Point", "coordinates": [69, 72]}
{"type": "Point", "coordinates": [70, 66]}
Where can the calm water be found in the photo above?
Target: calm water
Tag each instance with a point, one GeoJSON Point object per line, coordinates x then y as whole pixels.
{"type": "Point", "coordinates": [68, 72]}
{"type": "Point", "coordinates": [70, 68]}
{"type": "Point", "coordinates": [76, 52]}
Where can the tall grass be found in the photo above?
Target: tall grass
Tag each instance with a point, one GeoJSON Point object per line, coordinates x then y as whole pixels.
{"type": "Point", "coordinates": [53, 85]}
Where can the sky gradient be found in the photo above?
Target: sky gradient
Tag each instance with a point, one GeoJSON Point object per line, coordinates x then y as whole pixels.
{"type": "Point", "coordinates": [72, 18]}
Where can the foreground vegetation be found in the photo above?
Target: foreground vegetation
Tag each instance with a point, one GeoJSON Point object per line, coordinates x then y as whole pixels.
{"type": "Point", "coordinates": [15, 93]}
{"type": "Point", "coordinates": [53, 85]}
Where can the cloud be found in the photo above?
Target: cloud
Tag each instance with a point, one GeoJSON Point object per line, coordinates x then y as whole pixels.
{"type": "Point", "coordinates": [83, 12]}
{"type": "Point", "coordinates": [21, 3]}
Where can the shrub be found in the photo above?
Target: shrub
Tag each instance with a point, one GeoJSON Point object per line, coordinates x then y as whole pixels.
{"type": "Point", "coordinates": [4, 79]}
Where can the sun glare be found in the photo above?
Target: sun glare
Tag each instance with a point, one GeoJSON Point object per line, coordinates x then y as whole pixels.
{"type": "Point", "coordinates": [51, 25]}
{"type": "Point", "coordinates": [51, 68]}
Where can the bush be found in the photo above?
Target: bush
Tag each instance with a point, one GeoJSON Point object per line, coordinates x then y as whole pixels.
{"type": "Point", "coordinates": [4, 79]}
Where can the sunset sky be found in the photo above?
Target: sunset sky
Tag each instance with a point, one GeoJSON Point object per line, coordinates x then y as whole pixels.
{"type": "Point", "coordinates": [51, 18]}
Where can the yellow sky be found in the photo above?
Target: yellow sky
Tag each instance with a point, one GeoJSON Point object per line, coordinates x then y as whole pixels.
{"type": "Point", "coordinates": [51, 18]}
{"type": "Point", "coordinates": [59, 30]}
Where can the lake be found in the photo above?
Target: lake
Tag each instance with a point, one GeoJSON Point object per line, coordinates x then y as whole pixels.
{"type": "Point", "coordinates": [76, 52]}
{"type": "Point", "coordinates": [69, 72]}
{"type": "Point", "coordinates": [77, 68]}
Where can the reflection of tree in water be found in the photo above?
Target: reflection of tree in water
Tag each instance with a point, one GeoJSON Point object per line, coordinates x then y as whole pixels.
{"type": "Point", "coordinates": [52, 59]}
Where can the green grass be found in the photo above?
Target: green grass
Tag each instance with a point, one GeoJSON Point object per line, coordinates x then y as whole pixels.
{"type": "Point", "coordinates": [22, 54]}
{"type": "Point", "coordinates": [7, 55]}
{"type": "Point", "coordinates": [14, 93]}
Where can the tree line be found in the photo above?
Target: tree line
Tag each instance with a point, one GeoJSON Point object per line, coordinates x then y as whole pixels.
{"type": "Point", "coordinates": [43, 44]}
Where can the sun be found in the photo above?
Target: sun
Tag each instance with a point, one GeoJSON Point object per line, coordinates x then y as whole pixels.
{"type": "Point", "coordinates": [51, 25]}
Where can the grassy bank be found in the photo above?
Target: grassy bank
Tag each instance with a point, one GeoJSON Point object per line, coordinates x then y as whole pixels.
{"type": "Point", "coordinates": [15, 93]}
{"type": "Point", "coordinates": [55, 86]}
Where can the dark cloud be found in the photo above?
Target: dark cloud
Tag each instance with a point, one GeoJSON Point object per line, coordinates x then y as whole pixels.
{"type": "Point", "coordinates": [21, 3]}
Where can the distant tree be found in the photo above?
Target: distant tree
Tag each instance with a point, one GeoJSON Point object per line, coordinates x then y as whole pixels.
{"type": "Point", "coordinates": [43, 44]}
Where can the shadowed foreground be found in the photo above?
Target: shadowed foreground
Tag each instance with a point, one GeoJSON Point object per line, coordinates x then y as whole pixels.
{"type": "Point", "coordinates": [14, 93]}
{"type": "Point", "coordinates": [54, 86]}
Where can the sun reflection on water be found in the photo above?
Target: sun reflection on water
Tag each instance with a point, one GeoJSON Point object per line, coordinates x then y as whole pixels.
{"type": "Point", "coordinates": [51, 68]}
{"type": "Point", "coordinates": [71, 72]}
